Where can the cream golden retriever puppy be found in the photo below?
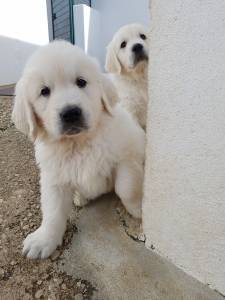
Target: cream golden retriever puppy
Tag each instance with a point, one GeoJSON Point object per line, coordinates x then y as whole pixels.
{"type": "Point", "coordinates": [83, 141]}
{"type": "Point", "coordinates": [127, 60]}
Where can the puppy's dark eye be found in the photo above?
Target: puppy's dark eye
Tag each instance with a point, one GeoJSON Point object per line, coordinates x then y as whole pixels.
{"type": "Point", "coordinates": [81, 83]}
{"type": "Point", "coordinates": [123, 44]}
{"type": "Point", "coordinates": [45, 91]}
{"type": "Point", "coordinates": [143, 36]}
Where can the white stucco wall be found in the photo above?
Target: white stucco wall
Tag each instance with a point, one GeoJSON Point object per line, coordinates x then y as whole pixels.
{"type": "Point", "coordinates": [23, 27]}
{"type": "Point", "coordinates": [87, 29]}
{"type": "Point", "coordinates": [107, 17]}
{"type": "Point", "coordinates": [24, 20]}
{"type": "Point", "coordinates": [13, 56]}
{"type": "Point", "coordinates": [184, 201]}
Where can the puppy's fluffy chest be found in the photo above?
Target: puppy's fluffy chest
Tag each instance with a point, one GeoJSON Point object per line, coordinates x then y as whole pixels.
{"type": "Point", "coordinates": [134, 88]}
{"type": "Point", "coordinates": [134, 96]}
{"type": "Point", "coordinates": [89, 170]}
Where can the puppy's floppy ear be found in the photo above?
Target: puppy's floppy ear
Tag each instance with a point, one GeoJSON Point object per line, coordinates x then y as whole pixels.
{"type": "Point", "coordinates": [112, 63]}
{"type": "Point", "coordinates": [109, 94]}
{"type": "Point", "coordinates": [22, 115]}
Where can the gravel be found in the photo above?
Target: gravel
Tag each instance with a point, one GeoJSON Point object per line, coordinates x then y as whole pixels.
{"type": "Point", "coordinates": [21, 278]}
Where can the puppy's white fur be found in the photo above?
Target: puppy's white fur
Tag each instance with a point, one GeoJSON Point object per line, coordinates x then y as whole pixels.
{"type": "Point", "coordinates": [130, 78]}
{"type": "Point", "coordinates": [108, 154]}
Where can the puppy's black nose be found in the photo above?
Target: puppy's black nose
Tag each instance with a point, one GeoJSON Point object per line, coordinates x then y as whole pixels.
{"type": "Point", "coordinates": [137, 48]}
{"type": "Point", "coordinates": [71, 114]}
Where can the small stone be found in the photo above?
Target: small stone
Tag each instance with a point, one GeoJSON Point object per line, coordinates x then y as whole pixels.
{"type": "Point", "coordinates": [39, 282]}
{"type": "Point", "coordinates": [78, 297]}
{"type": "Point", "coordinates": [27, 296]}
{"type": "Point", "coordinates": [118, 210]}
{"type": "Point", "coordinates": [55, 255]}
{"type": "Point", "coordinates": [63, 286]}
{"type": "Point", "coordinates": [25, 227]}
{"type": "Point", "coordinates": [1, 200]}
{"type": "Point", "coordinates": [5, 251]}
{"type": "Point", "coordinates": [142, 237]}
{"type": "Point", "coordinates": [52, 297]}
{"type": "Point", "coordinates": [51, 287]}
{"type": "Point", "coordinates": [45, 276]}
{"type": "Point", "coordinates": [13, 263]}
{"type": "Point", "coordinates": [39, 294]}
{"type": "Point", "coordinates": [19, 192]}
{"type": "Point", "coordinates": [25, 219]}
{"type": "Point", "coordinates": [2, 272]}
{"type": "Point", "coordinates": [78, 284]}
{"type": "Point", "coordinates": [4, 236]}
{"type": "Point", "coordinates": [29, 214]}
{"type": "Point", "coordinates": [58, 280]}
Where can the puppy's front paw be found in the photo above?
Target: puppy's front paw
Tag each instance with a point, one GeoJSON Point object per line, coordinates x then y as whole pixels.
{"type": "Point", "coordinates": [40, 244]}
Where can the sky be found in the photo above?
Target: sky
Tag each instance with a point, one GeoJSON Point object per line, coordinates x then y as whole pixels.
{"type": "Point", "coordinates": [25, 20]}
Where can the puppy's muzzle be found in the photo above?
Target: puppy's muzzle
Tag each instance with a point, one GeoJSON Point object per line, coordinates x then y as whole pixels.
{"type": "Point", "coordinates": [139, 53]}
{"type": "Point", "coordinates": [72, 120]}
{"type": "Point", "coordinates": [137, 48]}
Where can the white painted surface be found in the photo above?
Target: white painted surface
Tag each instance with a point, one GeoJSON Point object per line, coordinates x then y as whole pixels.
{"type": "Point", "coordinates": [87, 29]}
{"type": "Point", "coordinates": [108, 16]}
{"type": "Point", "coordinates": [24, 20]}
{"type": "Point", "coordinates": [79, 22]}
{"type": "Point", "coordinates": [184, 202]}
{"type": "Point", "coordinates": [13, 56]}
{"type": "Point", "coordinates": [23, 26]}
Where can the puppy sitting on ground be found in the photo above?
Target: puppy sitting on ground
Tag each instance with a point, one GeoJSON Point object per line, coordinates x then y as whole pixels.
{"type": "Point", "coordinates": [83, 141]}
{"type": "Point", "coordinates": [127, 59]}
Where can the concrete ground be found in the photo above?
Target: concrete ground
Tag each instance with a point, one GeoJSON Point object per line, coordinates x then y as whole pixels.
{"type": "Point", "coordinates": [101, 257]}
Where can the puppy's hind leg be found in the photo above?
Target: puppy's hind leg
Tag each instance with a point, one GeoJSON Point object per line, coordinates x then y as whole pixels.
{"type": "Point", "coordinates": [128, 186]}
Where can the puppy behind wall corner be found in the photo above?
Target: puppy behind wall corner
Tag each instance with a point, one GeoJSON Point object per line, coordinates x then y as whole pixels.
{"type": "Point", "coordinates": [127, 60]}
{"type": "Point", "coordinates": [83, 140]}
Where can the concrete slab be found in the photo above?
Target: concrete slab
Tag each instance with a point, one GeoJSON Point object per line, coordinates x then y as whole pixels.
{"type": "Point", "coordinates": [120, 268]}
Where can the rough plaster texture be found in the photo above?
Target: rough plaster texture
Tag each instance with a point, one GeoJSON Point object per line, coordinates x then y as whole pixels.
{"type": "Point", "coordinates": [120, 268]}
{"type": "Point", "coordinates": [184, 202]}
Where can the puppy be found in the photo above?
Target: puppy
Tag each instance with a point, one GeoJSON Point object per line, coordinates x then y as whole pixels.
{"type": "Point", "coordinates": [83, 141]}
{"type": "Point", "coordinates": [127, 60]}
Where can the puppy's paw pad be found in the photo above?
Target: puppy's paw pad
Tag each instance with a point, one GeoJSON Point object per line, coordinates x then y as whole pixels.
{"type": "Point", "coordinates": [39, 244]}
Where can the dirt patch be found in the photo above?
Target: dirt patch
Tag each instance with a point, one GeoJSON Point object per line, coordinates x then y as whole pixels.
{"type": "Point", "coordinates": [21, 278]}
